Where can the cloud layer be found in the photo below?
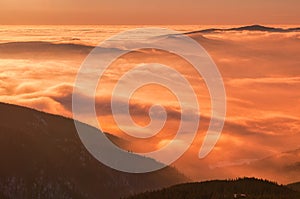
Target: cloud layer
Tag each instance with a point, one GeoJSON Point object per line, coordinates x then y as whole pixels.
{"type": "Point", "coordinates": [262, 78]}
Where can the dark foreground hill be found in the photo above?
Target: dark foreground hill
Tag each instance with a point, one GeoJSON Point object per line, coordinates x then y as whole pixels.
{"type": "Point", "coordinates": [42, 157]}
{"type": "Point", "coordinates": [250, 188]}
{"type": "Point", "coordinates": [294, 186]}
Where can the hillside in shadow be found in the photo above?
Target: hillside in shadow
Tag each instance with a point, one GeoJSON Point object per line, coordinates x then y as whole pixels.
{"type": "Point", "coordinates": [295, 186]}
{"type": "Point", "coordinates": [224, 189]}
{"type": "Point", "coordinates": [42, 156]}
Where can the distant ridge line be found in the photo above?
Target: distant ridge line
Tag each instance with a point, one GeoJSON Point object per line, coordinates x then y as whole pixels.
{"type": "Point", "coordinates": [248, 28]}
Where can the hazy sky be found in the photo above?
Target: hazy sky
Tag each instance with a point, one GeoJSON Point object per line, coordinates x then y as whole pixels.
{"type": "Point", "coordinates": [149, 12]}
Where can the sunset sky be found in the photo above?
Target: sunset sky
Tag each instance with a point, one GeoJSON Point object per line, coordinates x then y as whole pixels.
{"type": "Point", "coordinates": [149, 12]}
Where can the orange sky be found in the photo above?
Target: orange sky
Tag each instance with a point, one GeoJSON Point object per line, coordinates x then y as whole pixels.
{"type": "Point", "coordinates": [149, 12]}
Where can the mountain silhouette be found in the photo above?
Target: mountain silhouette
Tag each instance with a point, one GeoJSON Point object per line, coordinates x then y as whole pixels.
{"type": "Point", "coordinates": [224, 189]}
{"type": "Point", "coordinates": [248, 28]}
{"type": "Point", "coordinates": [42, 156]}
{"type": "Point", "coordinates": [42, 50]}
{"type": "Point", "coordinates": [295, 186]}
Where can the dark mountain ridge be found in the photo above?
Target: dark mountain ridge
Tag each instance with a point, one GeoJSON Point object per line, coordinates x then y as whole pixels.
{"type": "Point", "coordinates": [224, 189]}
{"type": "Point", "coordinates": [248, 28]}
{"type": "Point", "coordinates": [42, 156]}
{"type": "Point", "coordinates": [295, 186]}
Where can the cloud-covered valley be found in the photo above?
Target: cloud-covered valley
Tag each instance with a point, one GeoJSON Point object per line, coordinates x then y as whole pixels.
{"type": "Point", "coordinates": [261, 73]}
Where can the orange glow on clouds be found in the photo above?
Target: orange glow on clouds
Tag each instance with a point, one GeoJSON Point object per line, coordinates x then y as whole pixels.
{"type": "Point", "coordinates": [262, 78]}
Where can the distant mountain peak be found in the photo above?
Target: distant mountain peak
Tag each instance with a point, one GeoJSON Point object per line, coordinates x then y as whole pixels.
{"type": "Point", "coordinates": [254, 27]}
